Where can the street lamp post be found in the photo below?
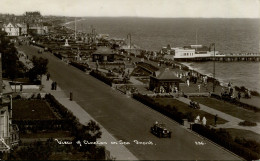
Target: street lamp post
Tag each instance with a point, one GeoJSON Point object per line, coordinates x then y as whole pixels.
{"type": "Point", "coordinates": [129, 36]}
{"type": "Point", "coordinates": [213, 44]}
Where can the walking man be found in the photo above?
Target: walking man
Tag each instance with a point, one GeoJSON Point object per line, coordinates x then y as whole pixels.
{"type": "Point", "coordinates": [216, 119]}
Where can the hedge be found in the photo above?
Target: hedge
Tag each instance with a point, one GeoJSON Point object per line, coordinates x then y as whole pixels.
{"type": "Point", "coordinates": [101, 77]}
{"type": "Point", "coordinates": [79, 66]}
{"type": "Point", "coordinates": [223, 138]}
{"type": "Point", "coordinates": [168, 111]}
{"type": "Point", "coordinates": [59, 108]}
{"type": "Point", "coordinates": [58, 55]}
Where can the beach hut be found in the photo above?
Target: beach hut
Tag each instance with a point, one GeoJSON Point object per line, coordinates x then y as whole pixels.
{"type": "Point", "coordinates": [164, 82]}
{"type": "Point", "coordinates": [103, 54]}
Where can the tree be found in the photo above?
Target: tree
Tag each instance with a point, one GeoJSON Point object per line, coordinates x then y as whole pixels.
{"type": "Point", "coordinates": [89, 133]}
{"type": "Point", "coordinates": [9, 56]}
{"type": "Point", "coordinates": [39, 68]}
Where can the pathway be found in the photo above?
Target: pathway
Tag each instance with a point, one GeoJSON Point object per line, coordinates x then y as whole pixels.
{"type": "Point", "coordinates": [120, 152]}
{"type": "Point", "coordinates": [232, 121]}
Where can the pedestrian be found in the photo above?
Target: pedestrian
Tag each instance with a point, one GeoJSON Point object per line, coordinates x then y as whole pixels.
{"type": "Point", "coordinates": [55, 85]}
{"type": "Point", "coordinates": [188, 82]}
{"type": "Point", "coordinates": [199, 87]}
{"type": "Point", "coordinates": [21, 87]}
{"type": "Point", "coordinates": [239, 95]}
{"type": "Point", "coordinates": [48, 76]}
{"type": "Point", "coordinates": [204, 121]}
{"type": "Point", "coordinates": [216, 119]}
{"type": "Point", "coordinates": [52, 86]}
{"type": "Point", "coordinates": [197, 120]}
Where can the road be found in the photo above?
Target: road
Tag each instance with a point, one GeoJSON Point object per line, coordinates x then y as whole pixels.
{"type": "Point", "coordinates": [127, 119]}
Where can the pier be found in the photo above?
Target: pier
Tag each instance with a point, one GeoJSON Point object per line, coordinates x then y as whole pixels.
{"type": "Point", "coordinates": [226, 58]}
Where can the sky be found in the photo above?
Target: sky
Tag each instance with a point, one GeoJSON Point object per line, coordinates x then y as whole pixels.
{"type": "Point", "coordinates": [136, 8]}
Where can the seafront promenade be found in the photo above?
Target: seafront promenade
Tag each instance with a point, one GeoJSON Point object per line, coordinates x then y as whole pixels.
{"type": "Point", "coordinates": [121, 116]}
{"type": "Point", "coordinates": [118, 152]}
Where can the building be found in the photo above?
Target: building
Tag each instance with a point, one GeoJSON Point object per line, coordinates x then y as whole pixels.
{"type": "Point", "coordinates": [38, 28]}
{"type": "Point", "coordinates": [22, 28]}
{"type": "Point", "coordinates": [165, 82]}
{"type": "Point", "coordinates": [190, 52]}
{"type": "Point", "coordinates": [103, 54]}
{"type": "Point", "coordinates": [11, 29]}
{"type": "Point", "coordinates": [9, 133]}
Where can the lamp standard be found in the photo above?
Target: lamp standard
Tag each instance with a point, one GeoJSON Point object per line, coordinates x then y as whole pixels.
{"type": "Point", "coordinates": [213, 44]}
{"type": "Point", "coordinates": [130, 37]}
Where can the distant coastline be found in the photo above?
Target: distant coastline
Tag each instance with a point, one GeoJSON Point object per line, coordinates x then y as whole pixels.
{"type": "Point", "coordinates": [223, 82]}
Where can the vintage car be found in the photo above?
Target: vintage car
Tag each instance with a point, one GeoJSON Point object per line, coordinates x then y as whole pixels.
{"type": "Point", "coordinates": [194, 105]}
{"type": "Point", "coordinates": [160, 131]}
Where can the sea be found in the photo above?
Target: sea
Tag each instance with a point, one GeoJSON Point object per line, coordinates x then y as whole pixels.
{"type": "Point", "coordinates": [229, 36]}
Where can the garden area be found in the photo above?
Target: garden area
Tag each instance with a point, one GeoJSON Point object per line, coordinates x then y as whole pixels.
{"type": "Point", "coordinates": [32, 110]}
{"type": "Point", "coordinates": [39, 127]}
{"type": "Point", "coordinates": [185, 109]}
{"type": "Point", "coordinates": [175, 109]}
{"type": "Point", "coordinates": [229, 108]}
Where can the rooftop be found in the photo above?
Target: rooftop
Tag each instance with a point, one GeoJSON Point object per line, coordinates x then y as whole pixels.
{"type": "Point", "coordinates": [103, 50]}
{"type": "Point", "coordinates": [167, 74]}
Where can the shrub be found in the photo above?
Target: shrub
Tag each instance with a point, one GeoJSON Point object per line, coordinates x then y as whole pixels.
{"type": "Point", "coordinates": [247, 123]}
{"type": "Point", "coordinates": [255, 93]}
{"type": "Point", "coordinates": [255, 146]}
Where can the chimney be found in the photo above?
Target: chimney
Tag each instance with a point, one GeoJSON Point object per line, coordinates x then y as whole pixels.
{"type": "Point", "coordinates": [1, 81]}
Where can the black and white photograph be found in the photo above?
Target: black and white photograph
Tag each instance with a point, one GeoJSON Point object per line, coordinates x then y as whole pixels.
{"type": "Point", "coordinates": [130, 80]}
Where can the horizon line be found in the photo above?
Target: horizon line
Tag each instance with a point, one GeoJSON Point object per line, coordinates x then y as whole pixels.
{"type": "Point", "coordinates": [57, 15]}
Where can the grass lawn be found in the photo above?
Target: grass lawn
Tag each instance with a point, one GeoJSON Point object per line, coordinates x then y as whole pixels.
{"type": "Point", "coordinates": [229, 108]}
{"type": "Point", "coordinates": [249, 135]}
{"type": "Point", "coordinates": [32, 110]}
{"type": "Point", "coordinates": [46, 134]}
{"type": "Point", "coordinates": [184, 108]}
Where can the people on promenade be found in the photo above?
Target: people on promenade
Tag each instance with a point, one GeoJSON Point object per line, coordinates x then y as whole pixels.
{"type": "Point", "coordinates": [239, 95]}
{"type": "Point", "coordinates": [216, 119]}
{"type": "Point", "coordinates": [204, 121]}
{"type": "Point", "coordinates": [55, 85]}
{"type": "Point", "coordinates": [199, 87]}
{"type": "Point", "coordinates": [197, 120]}
{"type": "Point", "coordinates": [48, 76]}
{"type": "Point", "coordinates": [52, 86]}
{"type": "Point", "coordinates": [188, 82]}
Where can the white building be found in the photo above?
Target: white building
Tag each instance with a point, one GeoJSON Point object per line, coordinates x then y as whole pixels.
{"type": "Point", "coordinates": [190, 52]}
{"type": "Point", "coordinates": [11, 29]}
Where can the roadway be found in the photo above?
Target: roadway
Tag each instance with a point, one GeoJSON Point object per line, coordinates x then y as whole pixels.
{"type": "Point", "coordinates": [127, 119]}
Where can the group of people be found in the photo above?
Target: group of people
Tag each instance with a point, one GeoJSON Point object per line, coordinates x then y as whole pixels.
{"type": "Point", "coordinates": [203, 121]}
{"type": "Point", "coordinates": [230, 93]}
{"type": "Point", "coordinates": [54, 86]}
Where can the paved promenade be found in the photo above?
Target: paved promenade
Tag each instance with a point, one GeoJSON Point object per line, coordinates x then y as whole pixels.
{"type": "Point", "coordinates": [126, 119]}
{"type": "Point", "coordinates": [232, 121]}
{"type": "Point", "coordinates": [119, 152]}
